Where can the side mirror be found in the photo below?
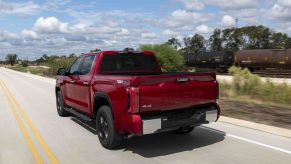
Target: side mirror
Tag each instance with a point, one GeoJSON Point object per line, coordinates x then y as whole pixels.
{"type": "Point", "coordinates": [62, 72]}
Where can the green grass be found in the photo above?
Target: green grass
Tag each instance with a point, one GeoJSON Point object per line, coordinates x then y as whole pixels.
{"type": "Point", "coordinates": [250, 87]}
{"type": "Point", "coordinates": [33, 70]}
{"type": "Point", "coordinates": [53, 63]}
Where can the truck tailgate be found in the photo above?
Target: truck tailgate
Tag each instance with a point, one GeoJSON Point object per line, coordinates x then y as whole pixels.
{"type": "Point", "coordinates": [176, 91]}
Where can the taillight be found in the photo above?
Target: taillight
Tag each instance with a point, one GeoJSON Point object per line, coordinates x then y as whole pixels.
{"type": "Point", "coordinates": [217, 90]}
{"type": "Point", "coordinates": [134, 100]}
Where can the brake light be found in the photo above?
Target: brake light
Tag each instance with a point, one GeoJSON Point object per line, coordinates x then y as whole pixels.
{"type": "Point", "coordinates": [217, 90]}
{"type": "Point", "coordinates": [134, 100]}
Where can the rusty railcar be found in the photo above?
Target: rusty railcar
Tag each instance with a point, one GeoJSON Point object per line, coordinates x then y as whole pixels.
{"type": "Point", "coordinates": [263, 58]}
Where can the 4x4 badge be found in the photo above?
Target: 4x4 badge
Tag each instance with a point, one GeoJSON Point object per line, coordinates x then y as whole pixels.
{"type": "Point", "coordinates": [146, 106]}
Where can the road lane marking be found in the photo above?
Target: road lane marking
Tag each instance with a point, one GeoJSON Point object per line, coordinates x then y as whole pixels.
{"type": "Point", "coordinates": [37, 135]}
{"type": "Point", "coordinates": [248, 140]}
{"type": "Point", "coordinates": [259, 143]}
{"type": "Point", "coordinates": [24, 132]}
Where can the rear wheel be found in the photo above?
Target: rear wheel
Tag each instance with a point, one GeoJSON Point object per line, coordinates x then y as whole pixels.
{"type": "Point", "coordinates": [60, 105]}
{"type": "Point", "coordinates": [105, 129]}
{"type": "Point", "coordinates": [184, 130]}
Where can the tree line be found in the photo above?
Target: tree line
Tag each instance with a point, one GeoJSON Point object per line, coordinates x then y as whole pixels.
{"type": "Point", "coordinates": [233, 39]}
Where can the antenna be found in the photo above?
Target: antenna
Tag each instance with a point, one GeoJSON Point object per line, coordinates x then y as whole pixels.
{"type": "Point", "coordinates": [236, 22]}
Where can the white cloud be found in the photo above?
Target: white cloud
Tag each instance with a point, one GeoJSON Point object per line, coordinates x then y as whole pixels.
{"type": "Point", "coordinates": [233, 4]}
{"type": "Point", "coordinates": [227, 21]}
{"type": "Point", "coordinates": [7, 36]}
{"type": "Point", "coordinates": [193, 4]}
{"type": "Point", "coordinates": [203, 29]}
{"type": "Point", "coordinates": [148, 35]}
{"type": "Point", "coordinates": [284, 3]}
{"type": "Point", "coordinates": [123, 32]}
{"type": "Point", "coordinates": [181, 18]}
{"type": "Point", "coordinates": [169, 32]}
{"type": "Point", "coordinates": [280, 13]}
{"type": "Point", "coordinates": [27, 8]}
{"type": "Point", "coordinates": [50, 25]}
{"type": "Point", "coordinates": [29, 34]}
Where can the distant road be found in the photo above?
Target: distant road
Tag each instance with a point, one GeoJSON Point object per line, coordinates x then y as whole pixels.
{"type": "Point", "coordinates": [227, 78]}
{"type": "Point", "coordinates": [32, 132]}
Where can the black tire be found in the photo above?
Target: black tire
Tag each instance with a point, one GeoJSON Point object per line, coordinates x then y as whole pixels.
{"type": "Point", "coordinates": [107, 135]}
{"type": "Point", "coordinates": [184, 130]}
{"type": "Point", "coordinates": [60, 105]}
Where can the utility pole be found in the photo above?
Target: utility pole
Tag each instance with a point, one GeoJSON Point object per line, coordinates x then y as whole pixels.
{"type": "Point", "coordinates": [236, 22]}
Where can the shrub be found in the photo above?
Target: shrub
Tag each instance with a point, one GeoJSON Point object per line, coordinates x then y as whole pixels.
{"type": "Point", "coordinates": [244, 82]}
{"type": "Point", "coordinates": [170, 59]}
{"type": "Point", "coordinates": [247, 84]}
{"type": "Point", "coordinates": [24, 63]}
{"type": "Point", "coordinates": [60, 62]}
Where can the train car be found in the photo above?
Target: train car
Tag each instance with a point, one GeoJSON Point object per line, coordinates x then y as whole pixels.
{"type": "Point", "coordinates": [263, 58]}
{"type": "Point", "coordinates": [219, 60]}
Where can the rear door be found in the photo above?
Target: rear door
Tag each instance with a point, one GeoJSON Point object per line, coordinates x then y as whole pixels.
{"type": "Point", "coordinates": [168, 92]}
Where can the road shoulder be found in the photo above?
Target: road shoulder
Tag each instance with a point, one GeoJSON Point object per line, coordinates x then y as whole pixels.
{"type": "Point", "coordinates": [261, 127]}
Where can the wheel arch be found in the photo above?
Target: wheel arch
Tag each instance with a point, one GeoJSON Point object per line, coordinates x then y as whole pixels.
{"type": "Point", "coordinates": [57, 88]}
{"type": "Point", "coordinates": [101, 99]}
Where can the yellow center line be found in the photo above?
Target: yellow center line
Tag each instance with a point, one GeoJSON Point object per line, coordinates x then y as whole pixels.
{"type": "Point", "coordinates": [37, 135]}
{"type": "Point", "coordinates": [24, 132]}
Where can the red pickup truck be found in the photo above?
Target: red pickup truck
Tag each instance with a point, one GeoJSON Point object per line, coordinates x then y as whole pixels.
{"type": "Point", "coordinates": [125, 93]}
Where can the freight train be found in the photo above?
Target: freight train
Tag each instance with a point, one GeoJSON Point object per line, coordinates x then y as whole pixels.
{"type": "Point", "coordinates": [251, 59]}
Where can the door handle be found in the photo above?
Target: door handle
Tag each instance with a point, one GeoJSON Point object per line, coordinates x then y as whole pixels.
{"type": "Point", "coordinates": [85, 82]}
{"type": "Point", "coordinates": [182, 79]}
{"type": "Point", "coordinates": [72, 81]}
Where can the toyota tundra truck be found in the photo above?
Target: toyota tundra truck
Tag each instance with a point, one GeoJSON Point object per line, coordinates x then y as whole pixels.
{"type": "Point", "coordinates": [125, 93]}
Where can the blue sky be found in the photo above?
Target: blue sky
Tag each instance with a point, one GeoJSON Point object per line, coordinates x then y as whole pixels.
{"type": "Point", "coordinates": [60, 27]}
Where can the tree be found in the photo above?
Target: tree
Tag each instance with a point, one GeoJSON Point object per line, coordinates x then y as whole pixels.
{"type": "Point", "coordinates": [194, 44]}
{"type": "Point", "coordinates": [197, 43]}
{"type": "Point", "coordinates": [174, 42]}
{"type": "Point", "coordinates": [215, 40]}
{"type": "Point", "coordinates": [279, 40]}
{"type": "Point", "coordinates": [24, 63]}
{"type": "Point", "coordinates": [258, 37]}
{"type": "Point", "coordinates": [45, 57]}
{"type": "Point", "coordinates": [11, 59]}
{"type": "Point", "coordinates": [232, 39]}
{"type": "Point", "coordinates": [72, 55]}
{"type": "Point", "coordinates": [96, 50]}
{"type": "Point", "coordinates": [170, 59]}
{"type": "Point", "coordinates": [288, 43]}
{"type": "Point", "coordinates": [187, 43]}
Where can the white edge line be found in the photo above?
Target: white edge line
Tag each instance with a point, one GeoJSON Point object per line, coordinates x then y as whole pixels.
{"type": "Point", "coordinates": [248, 140]}
{"type": "Point", "coordinates": [258, 143]}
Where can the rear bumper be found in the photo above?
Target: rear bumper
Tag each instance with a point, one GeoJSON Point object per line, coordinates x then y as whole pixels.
{"type": "Point", "coordinates": [173, 120]}
{"type": "Point", "coordinates": [211, 116]}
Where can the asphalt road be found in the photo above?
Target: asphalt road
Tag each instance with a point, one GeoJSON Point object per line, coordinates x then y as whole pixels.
{"type": "Point", "coordinates": [32, 132]}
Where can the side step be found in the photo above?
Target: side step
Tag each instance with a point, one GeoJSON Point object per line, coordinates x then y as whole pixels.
{"type": "Point", "coordinates": [78, 114]}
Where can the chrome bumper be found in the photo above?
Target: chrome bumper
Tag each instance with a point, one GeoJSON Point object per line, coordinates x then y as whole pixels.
{"type": "Point", "coordinates": [155, 125]}
{"type": "Point", "coordinates": [211, 116]}
{"type": "Point", "coordinates": [152, 126]}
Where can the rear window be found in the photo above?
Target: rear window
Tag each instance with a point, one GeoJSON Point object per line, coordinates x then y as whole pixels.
{"type": "Point", "coordinates": [128, 63]}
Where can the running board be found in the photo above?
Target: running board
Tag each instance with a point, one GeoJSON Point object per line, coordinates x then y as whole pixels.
{"type": "Point", "coordinates": [78, 114]}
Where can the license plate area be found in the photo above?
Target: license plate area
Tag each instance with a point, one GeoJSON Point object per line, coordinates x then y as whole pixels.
{"type": "Point", "coordinates": [152, 126]}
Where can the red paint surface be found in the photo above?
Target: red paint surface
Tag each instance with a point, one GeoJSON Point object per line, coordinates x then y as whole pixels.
{"type": "Point", "coordinates": [156, 92]}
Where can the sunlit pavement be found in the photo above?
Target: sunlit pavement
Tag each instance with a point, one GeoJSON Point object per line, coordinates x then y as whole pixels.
{"type": "Point", "coordinates": [39, 135]}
